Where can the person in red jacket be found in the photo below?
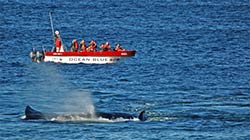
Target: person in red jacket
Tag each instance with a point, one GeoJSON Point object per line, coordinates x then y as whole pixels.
{"type": "Point", "coordinates": [74, 46]}
{"type": "Point", "coordinates": [118, 48]}
{"type": "Point", "coordinates": [83, 46]}
{"type": "Point", "coordinates": [105, 47]}
{"type": "Point", "coordinates": [91, 47]}
{"type": "Point", "coordinates": [58, 42]}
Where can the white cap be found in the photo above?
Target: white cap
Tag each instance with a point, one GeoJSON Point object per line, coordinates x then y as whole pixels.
{"type": "Point", "coordinates": [57, 32]}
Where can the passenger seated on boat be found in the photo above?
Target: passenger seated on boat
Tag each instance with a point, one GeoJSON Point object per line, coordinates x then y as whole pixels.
{"type": "Point", "coordinates": [102, 47]}
{"type": "Point", "coordinates": [118, 48]}
{"type": "Point", "coordinates": [83, 46]}
{"type": "Point", "coordinates": [58, 42]}
{"type": "Point", "coordinates": [91, 47]}
{"type": "Point", "coordinates": [74, 46]}
{"type": "Point", "coordinates": [105, 47]}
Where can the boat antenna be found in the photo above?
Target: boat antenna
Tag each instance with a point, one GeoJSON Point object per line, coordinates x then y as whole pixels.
{"type": "Point", "coordinates": [52, 29]}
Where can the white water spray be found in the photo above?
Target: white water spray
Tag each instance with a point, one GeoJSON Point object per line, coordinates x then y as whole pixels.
{"type": "Point", "coordinates": [79, 101]}
{"type": "Point", "coordinates": [57, 95]}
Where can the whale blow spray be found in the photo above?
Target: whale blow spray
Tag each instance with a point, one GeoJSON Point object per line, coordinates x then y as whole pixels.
{"type": "Point", "coordinates": [79, 101]}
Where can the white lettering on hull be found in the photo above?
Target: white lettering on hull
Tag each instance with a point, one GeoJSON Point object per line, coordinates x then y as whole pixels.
{"type": "Point", "coordinates": [87, 60]}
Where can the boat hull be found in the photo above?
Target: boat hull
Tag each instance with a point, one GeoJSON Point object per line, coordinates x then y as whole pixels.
{"type": "Point", "coordinates": [87, 57]}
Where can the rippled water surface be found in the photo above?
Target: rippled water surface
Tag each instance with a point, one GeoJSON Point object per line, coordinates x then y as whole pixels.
{"type": "Point", "coordinates": [191, 72]}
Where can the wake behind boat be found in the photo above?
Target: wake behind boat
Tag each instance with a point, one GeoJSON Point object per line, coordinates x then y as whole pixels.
{"type": "Point", "coordinates": [80, 54]}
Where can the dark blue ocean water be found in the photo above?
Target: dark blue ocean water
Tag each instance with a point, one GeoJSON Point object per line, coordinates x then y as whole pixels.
{"type": "Point", "coordinates": [191, 72]}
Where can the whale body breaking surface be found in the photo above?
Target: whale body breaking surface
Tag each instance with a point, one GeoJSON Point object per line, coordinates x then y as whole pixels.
{"type": "Point", "coordinates": [32, 114]}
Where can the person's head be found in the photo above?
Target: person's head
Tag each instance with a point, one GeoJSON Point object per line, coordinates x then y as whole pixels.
{"type": "Point", "coordinates": [57, 33]}
{"type": "Point", "coordinates": [74, 41]}
{"type": "Point", "coordinates": [92, 42]}
{"type": "Point", "coordinates": [82, 42]}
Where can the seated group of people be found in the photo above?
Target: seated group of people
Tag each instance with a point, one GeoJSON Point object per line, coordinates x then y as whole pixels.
{"type": "Point", "coordinates": [92, 47]}
{"type": "Point", "coordinates": [83, 48]}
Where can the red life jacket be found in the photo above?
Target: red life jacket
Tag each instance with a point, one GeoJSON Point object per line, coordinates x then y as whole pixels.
{"type": "Point", "coordinates": [76, 45]}
{"type": "Point", "coordinates": [58, 43]}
